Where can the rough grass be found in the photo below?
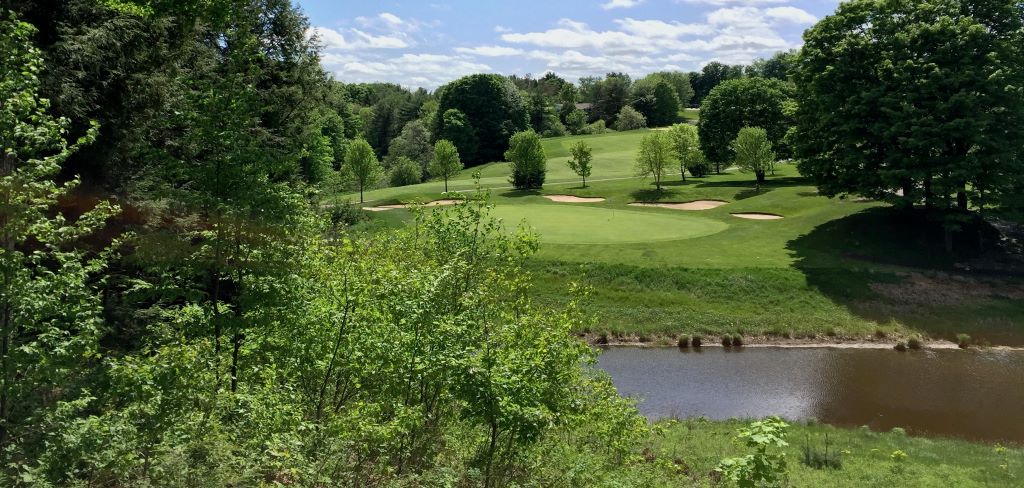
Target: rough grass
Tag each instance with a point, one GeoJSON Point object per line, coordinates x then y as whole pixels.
{"type": "Point", "coordinates": [842, 268]}
{"type": "Point", "coordinates": [866, 457]}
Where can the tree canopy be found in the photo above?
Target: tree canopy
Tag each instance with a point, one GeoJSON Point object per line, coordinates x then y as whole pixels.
{"type": "Point", "coordinates": [655, 157]}
{"type": "Point", "coordinates": [753, 152]}
{"type": "Point", "coordinates": [743, 102]}
{"type": "Point", "coordinates": [913, 101]}
{"type": "Point", "coordinates": [446, 162]}
{"type": "Point", "coordinates": [493, 108]}
{"type": "Point", "coordinates": [527, 159]}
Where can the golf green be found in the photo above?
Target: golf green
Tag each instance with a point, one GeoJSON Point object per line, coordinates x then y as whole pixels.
{"type": "Point", "coordinates": [567, 224]}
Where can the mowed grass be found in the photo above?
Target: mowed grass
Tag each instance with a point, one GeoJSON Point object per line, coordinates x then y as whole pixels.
{"type": "Point", "coordinates": [582, 225]}
{"type": "Point", "coordinates": [831, 268]}
{"type": "Point", "coordinates": [696, 447]}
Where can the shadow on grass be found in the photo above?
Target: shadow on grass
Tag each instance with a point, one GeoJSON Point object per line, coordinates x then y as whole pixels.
{"type": "Point", "coordinates": [520, 193]}
{"type": "Point", "coordinates": [849, 260]}
{"type": "Point", "coordinates": [651, 194]}
{"type": "Point", "coordinates": [770, 182]}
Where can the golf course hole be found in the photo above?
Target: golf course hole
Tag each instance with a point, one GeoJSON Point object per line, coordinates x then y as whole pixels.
{"type": "Point", "coordinates": [573, 199]}
{"type": "Point", "coordinates": [694, 205]}
{"type": "Point", "coordinates": [560, 224]}
{"type": "Point", "coordinates": [757, 216]}
{"type": "Point", "coordinates": [435, 203]}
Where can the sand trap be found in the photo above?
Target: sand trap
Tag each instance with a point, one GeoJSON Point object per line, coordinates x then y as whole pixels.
{"type": "Point", "coordinates": [573, 199]}
{"type": "Point", "coordinates": [757, 216]}
{"type": "Point", "coordinates": [435, 203]}
{"type": "Point", "coordinates": [694, 205]}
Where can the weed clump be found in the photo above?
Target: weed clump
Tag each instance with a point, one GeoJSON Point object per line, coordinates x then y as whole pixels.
{"type": "Point", "coordinates": [816, 458]}
{"type": "Point", "coordinates": [901, 346]}
{"type": "Point", "coordinates": [963, 340]}
{"type": "Point", "coordinates": [695, 341]}
{"type": "Point", "coordinates": [737, 340]}
{"type": "Point", "coordinates": [726, 340]}
{"type": "Point", "coordinates": [914, 343]}
{"type": "Point", "coordinates": [683, 342]}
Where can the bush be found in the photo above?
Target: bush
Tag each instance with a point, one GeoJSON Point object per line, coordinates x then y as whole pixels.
{"type": "Point", "coordinates": [695, 341]}
{"type": "Point", "coordinates": [726, 340]}
{"type": "Point", "coordinates": [963, 340]}
{"type": "Point", "coordinates": [699, 168]}
{"type": "Point", "coordinates": [630, 119]}
{"type": "Point", "coordinates": [762, 468]}
{"type": "Point", "coordinates": [900, 346]}
{"type": "Point", "coordinates": [346, 213]}
{"type": "Point", "coordinates": [598, 127]}
{"type": "Point", "coordinates": [405, 171]}
{"type": "Point", "coordinates": [737, 340]}
{"type": "Point", "coordinates": [914, 343]}
{"type": "Point", "coordinates": [900, 431]}
{"type": "Point", "coordinates": [529, 164]}
{"type": "Point", "coordinates": [683, 342]}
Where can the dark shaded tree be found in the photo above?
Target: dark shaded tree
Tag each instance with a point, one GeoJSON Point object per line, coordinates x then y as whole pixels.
{"type": "Point", "coordinates": [745, 102]}
{"type": "Point", "coordinates": [494, 109]}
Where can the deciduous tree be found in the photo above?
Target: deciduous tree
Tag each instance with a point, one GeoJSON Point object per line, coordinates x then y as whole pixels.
{"type": "Point", "coordinates": [754, 152]}
{"type": "Point", "coordinates": [655, 157]}
{"type": "Point", "coordinates": [445, 163]}
{"type": "Point", "coordinates": [362, 166]}
{"type": "Point", "coordinates": [580, 161]}
{"type": "Point", "coordinates": [526, 156]}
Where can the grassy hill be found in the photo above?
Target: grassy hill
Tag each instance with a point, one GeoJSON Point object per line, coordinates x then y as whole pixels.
{"type": "Point", "coordinates": [842, 268]}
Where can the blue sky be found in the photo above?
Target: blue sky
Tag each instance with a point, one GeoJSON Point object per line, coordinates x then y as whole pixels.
{"type": "Point", "coordinates": [428, 43]}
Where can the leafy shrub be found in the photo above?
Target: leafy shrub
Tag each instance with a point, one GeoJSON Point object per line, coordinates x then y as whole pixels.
{"type": "Point", "coordinates": [683, 342]}
{"type": "Point", "coordinates": [914, 343]}
{"type": "Point", "coordinates": [630, 119]}
{"type": "Point", "coordinates": [963, 340]}
{"type": "Point", "coordinates": [737, 340]}
{"type": "Point", "coordinates": [726, 340]}
{"type": "Point", "coordinates": [900, 431]}
{"type": "Point", "coordinates": [346, 213]}
{"type": "Point", "coordinates": [405, 171]}
{"type": "Point", "coordinates": [695, 341]}
{"type": "Point", "coordinates": [529, 164]}
{"type": "Point", "coordinates": [766, 466]}
{"type": "Point", "coordinates": [900, 346]}
{"type": "Point", "coordinates": [598, 127]}
{"type": "Point", "coordinates": [698, 167]}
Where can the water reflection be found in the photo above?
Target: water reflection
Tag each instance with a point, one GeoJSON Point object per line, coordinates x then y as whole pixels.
{"type": "Point", "coordinates": [968, 394]}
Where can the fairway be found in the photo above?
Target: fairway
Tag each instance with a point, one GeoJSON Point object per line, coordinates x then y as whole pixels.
{"type": "Point", "coordinates": [563, 224]}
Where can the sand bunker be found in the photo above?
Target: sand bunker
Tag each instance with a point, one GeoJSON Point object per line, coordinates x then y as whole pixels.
{"type": "Point", "coordinates": [435, 203]}
{"type": "Point", "coordinates": [573, 199]}
{"type": "Point", "coordinates": [757, 216]}
{"type": "Point", "coordinates": [694, 205]}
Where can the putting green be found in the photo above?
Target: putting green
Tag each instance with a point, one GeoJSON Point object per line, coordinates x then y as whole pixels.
{"type": "Point", "coordinates": [565, 224]}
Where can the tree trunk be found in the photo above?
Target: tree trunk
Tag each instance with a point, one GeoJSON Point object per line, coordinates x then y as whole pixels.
{"type": "Point", "coordinates": [760, 178]}
{"type": "Point", "coordinates": [361, 191]}
{"type": "Point", "coordinates": [929, 197]}
{"type": "Point", "coordinates": [961, 199]}
{"type": "Point", "coordinates": [446, 184]}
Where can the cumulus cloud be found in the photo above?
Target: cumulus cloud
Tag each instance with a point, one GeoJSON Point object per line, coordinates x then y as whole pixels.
{"type": "Point", "coordinates": [426, 70]}
{"type": "Point", "coordinates": [490, 51]}
{"type": "Point", "coordinates": [790, 14]}
{"type": "Point", "coordinates": [621, 4]}
{"type": "Point", "coordinates": [335, 40]}
{"type": "Point", "coordinates": [658, 28]}
{"type": "Point", "coordinates": [724, 3]}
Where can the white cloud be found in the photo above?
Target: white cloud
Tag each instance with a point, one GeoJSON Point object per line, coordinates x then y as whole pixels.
{"type": "Point", "coordinates": [621, 4]}
{"type": "Point", "coordinates": [658, 28]}
{"type": "Point", "coordinates": [490, 51]}
{"type": "Point", "coordinates": [790, 14]}
{"type": "Point", "coordinates": [723, 3]}
{"type": "Point", "coordinates": [333, 40]}
{"type": "Point", "coordinates": [412, 70]}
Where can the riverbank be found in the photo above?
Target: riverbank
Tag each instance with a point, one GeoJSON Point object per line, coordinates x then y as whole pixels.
{"type": "Point", "coordinates": [673, 340]}
{"type": "Point", "coordinates": [686, 453]}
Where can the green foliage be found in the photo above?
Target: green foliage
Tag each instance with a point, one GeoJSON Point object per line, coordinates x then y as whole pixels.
{"type": "Point", "coordinates": [527, 160]}
{"type": "Point", "coordinates": [494, 109]}
{"type": "Point", "coordinates": [754, 152]}
{"type": "Point", "coordinates": [765, 466]}
{"type": "Point", "coordinates": [656, 100]}
{"type": "Point", "coordinates": [576, 121]}
{"type": "Point", "coordinates": [630, 119]}
{"type": "Point", "coordinates": [446, 162]}
{"type": "Point", "coordinates": [597, 127]}
{"type": "Point", "coordinates": [710, 76]}
{"type": "Point", "coordinates": [361, 165]}
{"type": "Point", "coordinates": [413, 143]}
{"type": "Point", "coordinates": [610, 96]}
{"type": "Point", "coordinates": [50, 311]}
{"type": "Point", "coordinates": [680, 83]}
{"type": "Point", "coordinates": [915, 101]}
{"type": "Point", "coordinates": [776, 67]}
{"type": "Point", "coordinates": [457, 129]}
{"type": "Point", "coordinates": [581, 160]}
{"type": "Point", "coordinates": [747, 102]}
{"type": "Point", "coordinates": [686, 145]}
{"type": "Point", "coordinates": [655, 156]}
{"type": "Point", "coordinates": [404, 171]}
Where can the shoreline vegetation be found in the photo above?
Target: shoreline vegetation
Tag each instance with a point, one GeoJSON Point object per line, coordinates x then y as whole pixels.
{"type": "Point", "coordinates": [672, 340]}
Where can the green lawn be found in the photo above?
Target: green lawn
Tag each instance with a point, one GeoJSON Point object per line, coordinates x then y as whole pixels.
{"type": "Point", "coordinates": [830, 267]}
{"type": "Point", "coordinates": [692, 448]}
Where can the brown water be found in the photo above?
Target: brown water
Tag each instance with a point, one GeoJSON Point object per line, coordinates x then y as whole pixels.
{"type": "Point", "coordinates": [977, 395]}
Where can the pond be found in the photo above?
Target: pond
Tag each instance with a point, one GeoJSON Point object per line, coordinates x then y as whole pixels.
{"type": "Point", "coordinates": [976, 395]}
